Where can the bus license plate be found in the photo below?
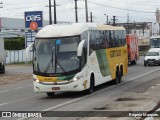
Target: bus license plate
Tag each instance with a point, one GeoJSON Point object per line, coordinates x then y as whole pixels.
{"type": "Point", "coordinates": [55, 88]}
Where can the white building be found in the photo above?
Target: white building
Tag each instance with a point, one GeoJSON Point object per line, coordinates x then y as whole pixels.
{"type": "Point", "coordinates": [13, 27]}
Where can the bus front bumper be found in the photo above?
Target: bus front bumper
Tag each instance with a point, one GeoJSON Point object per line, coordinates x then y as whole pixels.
{"type": "Point", "coordinates": [73, 86]}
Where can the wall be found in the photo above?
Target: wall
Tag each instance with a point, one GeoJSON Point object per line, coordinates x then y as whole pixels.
{"type": "Point", "coordinates": [17, 56]}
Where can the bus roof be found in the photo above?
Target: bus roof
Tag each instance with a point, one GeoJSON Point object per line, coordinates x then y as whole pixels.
{"type": "Point", "coordinates": [72, 29]}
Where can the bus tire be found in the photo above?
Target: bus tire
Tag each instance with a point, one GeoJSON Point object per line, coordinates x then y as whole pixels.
{"type": "Point", "coordinates": [116, 81]}
{"type": "Point", "coordinates": [120, 77]}
{"type": "Point", "coordinates": [91, 88]}
{"type": "Point", "coordinates": [50, 94]}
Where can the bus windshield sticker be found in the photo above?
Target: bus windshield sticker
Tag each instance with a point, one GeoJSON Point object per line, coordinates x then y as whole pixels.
{"type": "Point", "coordinates": [58, 42]}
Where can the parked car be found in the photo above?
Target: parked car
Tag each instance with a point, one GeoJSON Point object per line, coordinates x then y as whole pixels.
{"type": "Point", "coordinates": [152, 57]}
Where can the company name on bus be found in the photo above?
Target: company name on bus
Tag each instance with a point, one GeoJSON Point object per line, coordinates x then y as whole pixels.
{"type": "Point", "coordinates": [115, 53]}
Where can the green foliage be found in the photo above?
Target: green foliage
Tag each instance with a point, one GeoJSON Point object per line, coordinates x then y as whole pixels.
{"type": "Point", "coordinates": [14, 43]}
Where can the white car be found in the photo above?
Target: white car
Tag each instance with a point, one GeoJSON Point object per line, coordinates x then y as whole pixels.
{"type": "Point", "coordinates": [152, 57]}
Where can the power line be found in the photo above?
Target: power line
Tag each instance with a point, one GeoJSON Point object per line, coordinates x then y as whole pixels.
{"type": "Point", "coordinates": [120, 8]}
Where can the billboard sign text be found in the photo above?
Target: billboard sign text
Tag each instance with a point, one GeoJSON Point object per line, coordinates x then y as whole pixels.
{"type": "Point", "coordinates": [33, 17]}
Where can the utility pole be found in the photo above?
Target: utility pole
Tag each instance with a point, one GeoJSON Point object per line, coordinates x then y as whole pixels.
{"type": "Point", "coordinates": [76, 13]}
{"type": "Point", "coordinates": [114, 20]}
{"type": "Point", "coordinates": [86, 8]}
{"type": "Point", "coordinates": [107, 19]}
{"type": "Point", "coordinates": [91, 16]}
{"type": "Point", "coordinates": [55, 16]}
{"type": "Point", "coordinates": [50, 12]}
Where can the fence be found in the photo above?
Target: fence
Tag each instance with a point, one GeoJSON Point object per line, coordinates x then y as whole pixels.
{"type": "Point", "coordinates": [17, 56]}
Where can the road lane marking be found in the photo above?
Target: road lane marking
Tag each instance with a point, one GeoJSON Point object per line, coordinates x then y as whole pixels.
{"type": "Point", "coordinates": [63, 104]}
{"type": "Point", "coordinates": [16, 88]}
{"type": "Point", "coordinates": [4, 91]}
{"type": "Point", "coordinates": [143, 75]}
{"type": "Point", "coordinates": [3, 104]}
{"type": "Point", "coordinates": [19, 100]}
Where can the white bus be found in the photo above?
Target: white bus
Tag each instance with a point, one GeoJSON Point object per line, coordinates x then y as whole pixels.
{"type": "Point", "coordinates": [78, 57]}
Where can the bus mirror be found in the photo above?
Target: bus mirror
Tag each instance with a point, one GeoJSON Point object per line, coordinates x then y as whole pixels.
{"type": "Point", "coordinates": [80, 48]}
{"type": "Point", "coordinates": [28, 49]}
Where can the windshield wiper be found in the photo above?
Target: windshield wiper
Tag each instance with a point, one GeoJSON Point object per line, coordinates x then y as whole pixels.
{"type": "Point", "coordinates": [61, 66]}
{"type": "Point", "coordinates": [51, 61]}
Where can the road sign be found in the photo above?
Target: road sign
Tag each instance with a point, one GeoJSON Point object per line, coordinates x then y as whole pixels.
{"type": "Point", "coordinates": [33, 26]}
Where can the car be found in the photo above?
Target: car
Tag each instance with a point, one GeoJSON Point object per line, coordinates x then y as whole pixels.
{"type": "Point", "coordinates": [152, 57]}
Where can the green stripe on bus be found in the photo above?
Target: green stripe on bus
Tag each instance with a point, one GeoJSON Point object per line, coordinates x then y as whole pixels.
{"type": "Point", "coordinates": [103, 62]}
{"type": "Point", "coordinates": [66, 77]}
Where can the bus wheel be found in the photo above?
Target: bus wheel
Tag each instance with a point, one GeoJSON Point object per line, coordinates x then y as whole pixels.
{"type": "Point", "coordinates": [50, 94]}
{"type": "Point", "coordinates": [91, 88]}
{"type": "Point", "coordinates": [120, 77]}
{"type": "Point", "coordinates": [116, 81]}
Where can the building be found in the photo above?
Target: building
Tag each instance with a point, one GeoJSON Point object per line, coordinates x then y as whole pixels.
{"type": "Point", "coordinates": [14, 27]}
{"type": "Point", "coordinates": [143, 30]}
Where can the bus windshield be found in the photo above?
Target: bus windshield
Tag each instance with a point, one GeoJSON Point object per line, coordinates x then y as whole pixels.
{"type": "Point", "coordinates": [56, 56]}
{"type": "Point", "coordinates": [155, 42]}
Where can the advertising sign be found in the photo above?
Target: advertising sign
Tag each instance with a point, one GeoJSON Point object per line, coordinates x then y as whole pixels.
{"type": "Point", "coordinates": [30, 38]}
{"type": "Point", "coordinates": [33, 20]}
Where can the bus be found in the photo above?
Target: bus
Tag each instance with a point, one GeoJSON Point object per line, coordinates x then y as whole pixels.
{"type": "Point", "coordinates": [155, 42]}
{"type": "Point", "coordinates": [78, 57]}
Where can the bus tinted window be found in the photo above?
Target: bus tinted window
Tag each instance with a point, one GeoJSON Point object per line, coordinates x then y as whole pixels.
{"type": "Point", "coordinates": [106, 39]}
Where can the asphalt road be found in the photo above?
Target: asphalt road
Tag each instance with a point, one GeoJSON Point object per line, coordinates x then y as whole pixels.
{"type": "Point", "coordinates": [21, 97]}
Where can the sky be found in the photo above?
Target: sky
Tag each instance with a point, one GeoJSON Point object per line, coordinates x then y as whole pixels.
{"type": "Point", "coordinates": [137, 10]}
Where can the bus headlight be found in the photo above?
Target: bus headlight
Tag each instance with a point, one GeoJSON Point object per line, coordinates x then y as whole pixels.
{"type": "Point", "coordinates": [36, 80]}
{"type": "Point", "coordinates": [77, 78]}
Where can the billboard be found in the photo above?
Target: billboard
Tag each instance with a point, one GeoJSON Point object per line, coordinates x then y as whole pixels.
{"type": "Point", "coordinates": [30, 38]}
{"type": "Point", "coordinates": [33, 19]}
